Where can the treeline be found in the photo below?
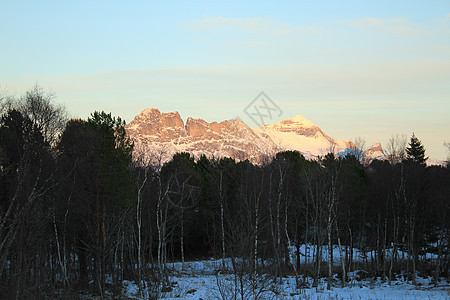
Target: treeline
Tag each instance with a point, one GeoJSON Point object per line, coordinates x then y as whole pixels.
{"type": "Point", "coordinates": [77, 213]}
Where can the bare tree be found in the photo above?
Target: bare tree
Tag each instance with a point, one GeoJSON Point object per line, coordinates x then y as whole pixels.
{"type": "Point", "coordinates": [360, 144]}
{"type": "Point", "coordinates": [142, 162]}
{"type": "Point", "coordinates": [315, 193]}
{"type": "Point", "coordinates": [447, 145]}
{"type": "Point", "coordinates": [185, 196]}
{"type": "Point", "coordinates": [222, 222]}
{"type": "Point", "coordinates": [49, 117]}
{"type": "Point", "coordinates": [5, 101]}
{"type": "Point", "coordinates": [396, 147]}
{"type": "Point", "coordinates": [332, 190]}
{"type": "Point", "coordinates": [162, 219]}
{"type": "Point", "coordinates": [26, 162]}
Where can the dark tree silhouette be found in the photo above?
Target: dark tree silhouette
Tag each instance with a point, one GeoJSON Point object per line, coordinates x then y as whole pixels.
{"type": "Point", "coordinates": [415, 152]}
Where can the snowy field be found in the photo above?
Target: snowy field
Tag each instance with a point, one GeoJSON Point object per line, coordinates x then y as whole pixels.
{"type": "Point", "coordinates": [201, 280]}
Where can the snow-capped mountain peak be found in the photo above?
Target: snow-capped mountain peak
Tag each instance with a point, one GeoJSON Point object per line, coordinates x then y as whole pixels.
{"type": "Point", "coordinates": [374, 152]}
{"type": "Point", "coordinates": [299, 120]}
{"type": "Point", "coordinates": [233, 138]}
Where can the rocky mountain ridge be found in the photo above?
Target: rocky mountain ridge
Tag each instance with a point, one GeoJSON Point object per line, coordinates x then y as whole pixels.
{"type": "Point", "coordinates": [166, 133]}
{"type": "Point", "coordinates": [161, 135]}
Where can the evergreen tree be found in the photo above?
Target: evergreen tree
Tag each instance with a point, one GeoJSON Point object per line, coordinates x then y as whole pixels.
{"type": "Point", "coordinates": [415, 152]}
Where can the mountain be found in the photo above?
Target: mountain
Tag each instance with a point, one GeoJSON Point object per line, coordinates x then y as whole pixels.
{"type": "Point", "coordinates": [374, 152]}
{"type": "Point", "coordinates": [160, 135]}
{"type": "Point", "coordinates": [164, 134]}
{"type": "Point", "coordinates": [301, 134]}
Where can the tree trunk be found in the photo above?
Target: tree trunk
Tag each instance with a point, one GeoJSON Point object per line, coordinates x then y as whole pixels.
{"type": "Point", "coordinates": [341, 253]}
{"type": "Point", "coordinates": [222, 226]}
{"type": "Point", "coordinates": [182, 239]}
{"type": "Point", "coordinates": [330, 252]}
{"type": "Point", "coordinates": [255, 250]}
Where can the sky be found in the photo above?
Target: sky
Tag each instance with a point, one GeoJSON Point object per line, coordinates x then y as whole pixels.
{"type": "Point", "coordinates": [367, 69]}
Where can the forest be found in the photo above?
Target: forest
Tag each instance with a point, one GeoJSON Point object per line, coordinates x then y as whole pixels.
{"type": "Point", "coordinates": [83, 209]}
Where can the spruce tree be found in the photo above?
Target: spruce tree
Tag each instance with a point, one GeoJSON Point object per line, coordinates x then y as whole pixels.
{"type": "Point", "coordinates": [415, 152]}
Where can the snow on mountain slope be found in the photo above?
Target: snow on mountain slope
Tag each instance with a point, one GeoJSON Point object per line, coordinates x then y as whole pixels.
{"type": "Point", "coordinates": [162, 135]}
{"type": "Point", "coordinates": [436, 162]}
{"type": "Point", "coordinates": [165, 133]}
{"type": "Point", "coordinates": [303, 135]}
{"type": "Point", "coordinates": [374, 152]}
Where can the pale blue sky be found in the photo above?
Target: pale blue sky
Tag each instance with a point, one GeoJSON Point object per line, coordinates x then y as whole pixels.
{"type": "Point", "coordinates": [354, 68]}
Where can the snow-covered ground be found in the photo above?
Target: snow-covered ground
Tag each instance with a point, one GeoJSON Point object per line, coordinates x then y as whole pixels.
{"type": "Point", "coordinates": [307, 253]}
{"type": "Point", "coordinates": [203, 280]}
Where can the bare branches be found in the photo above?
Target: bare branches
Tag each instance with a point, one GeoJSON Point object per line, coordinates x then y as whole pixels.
{"type": "Point", "coordinates": [395, 148]}
{"type": "Point", "coordinates": [360, 144]}
{"type": "Point", "coordinates": [48, 117]}
{"type": "Point", "coordinates": [447, 145]}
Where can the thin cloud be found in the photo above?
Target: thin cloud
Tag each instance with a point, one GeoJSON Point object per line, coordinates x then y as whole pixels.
{"type": "Point", "coordinates": [363, 39]}
{"type": "Point", "coordinates": [395, 26]}
{"type": "Point", "coordinates": [248, 25]}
